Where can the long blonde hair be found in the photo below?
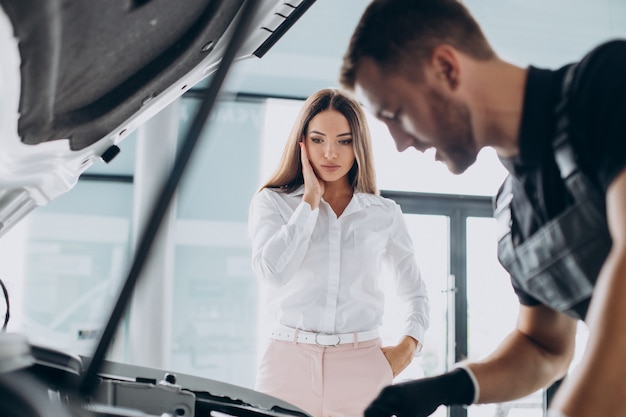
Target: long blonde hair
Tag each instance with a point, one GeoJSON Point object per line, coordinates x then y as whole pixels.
{"type": "Point", "coordinates": [288, 175]}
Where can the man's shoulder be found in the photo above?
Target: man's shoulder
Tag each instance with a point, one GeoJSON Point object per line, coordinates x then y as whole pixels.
{"type": "Point", "coordinates": [597, 101]}
{"type": "Point", "coordinates": [596, 82]}
{"type": "Point", "coordinates": [609, 47]}
{"type": "Point", "coordinates": [604, 64]}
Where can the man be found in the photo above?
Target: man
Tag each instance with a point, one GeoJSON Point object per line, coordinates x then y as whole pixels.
{"type": "Point", "coordinates": [425, 69]}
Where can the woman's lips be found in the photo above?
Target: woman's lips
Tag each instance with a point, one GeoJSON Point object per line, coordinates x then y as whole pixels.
{"type": "Point", "coordinates": [330, 168]}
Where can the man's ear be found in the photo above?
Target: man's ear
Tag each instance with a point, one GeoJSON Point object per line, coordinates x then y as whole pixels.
{"type": "Point", "coordinates": [445, 62]}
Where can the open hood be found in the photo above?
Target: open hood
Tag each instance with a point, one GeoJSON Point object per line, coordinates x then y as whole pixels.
{"type": "Point", "coordinates": [76, 77]}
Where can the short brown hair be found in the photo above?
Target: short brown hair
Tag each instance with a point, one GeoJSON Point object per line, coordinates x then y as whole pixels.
{"type": "Point", "coordinates": [288, 175]}
{"type": "Point", "coordinates": [400, 34]}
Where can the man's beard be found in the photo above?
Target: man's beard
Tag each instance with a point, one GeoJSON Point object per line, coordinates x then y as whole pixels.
{"type": "Point", "coordinates": [456, 145]}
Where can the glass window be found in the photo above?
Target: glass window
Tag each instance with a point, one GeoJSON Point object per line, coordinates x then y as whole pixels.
{"type": "Point", "coordinates": [215, 292]}
{"type": "Point", "coordinates": [492, 311]}
{"type": "Point", "coordinates": [430, 239]}
{"type": "Point", "coordinates": [76, 250]}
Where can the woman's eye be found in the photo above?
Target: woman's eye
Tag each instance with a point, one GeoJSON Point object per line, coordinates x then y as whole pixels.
{"type": "Point", "coordinates": [316, 140]}
{"type": "Point", "coordinates": [346, 142]}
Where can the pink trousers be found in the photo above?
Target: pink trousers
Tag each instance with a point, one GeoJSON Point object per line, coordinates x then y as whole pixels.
{"type": "Point", "coordinates": [336, 381]}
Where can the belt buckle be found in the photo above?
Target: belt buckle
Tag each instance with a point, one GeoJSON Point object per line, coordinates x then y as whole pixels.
{"type": "Point", "coordinates": [317, 342]}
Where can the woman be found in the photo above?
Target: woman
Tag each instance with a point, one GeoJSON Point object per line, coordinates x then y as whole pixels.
{"type": "Point", "coordinates": [320, 233]}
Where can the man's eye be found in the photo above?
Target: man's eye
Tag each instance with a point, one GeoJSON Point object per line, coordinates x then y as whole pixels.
{"type": "Point", "coordinates": [389, 116]}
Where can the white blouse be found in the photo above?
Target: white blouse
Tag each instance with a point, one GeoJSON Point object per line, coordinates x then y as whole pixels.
{"type": "Point", "coordinates": [323, 271]}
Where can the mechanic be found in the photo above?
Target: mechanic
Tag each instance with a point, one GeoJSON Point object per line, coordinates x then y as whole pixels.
{"type": "Point", "coordinates": [426, 70]}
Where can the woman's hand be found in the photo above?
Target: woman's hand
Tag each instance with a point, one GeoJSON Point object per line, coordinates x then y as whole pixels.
{"type": "Point", "coordinates": [401, 355]}
{"type": "Point", "coordinates": [313, 186]}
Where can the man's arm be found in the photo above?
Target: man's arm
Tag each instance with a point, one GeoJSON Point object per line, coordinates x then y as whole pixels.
{"type": "Point", "coordinates": [597, 388]}
{"type": "Point", "coordinates": [537, 353]}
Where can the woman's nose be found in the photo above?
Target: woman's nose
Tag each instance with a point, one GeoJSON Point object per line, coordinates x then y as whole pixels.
{"type": "Point", "coordinates": [330, 152]}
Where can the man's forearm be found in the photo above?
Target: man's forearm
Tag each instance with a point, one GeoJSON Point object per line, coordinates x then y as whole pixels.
{"type": "Point", "coordinates": [596, 387]}
{"type": "Point", "coordinates": [518, 367]}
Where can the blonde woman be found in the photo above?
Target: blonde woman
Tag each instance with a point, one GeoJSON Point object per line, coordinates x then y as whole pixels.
{"type": "Point", "coordinates": [320, 233]}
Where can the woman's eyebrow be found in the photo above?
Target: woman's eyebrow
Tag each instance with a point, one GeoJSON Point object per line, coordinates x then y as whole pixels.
{"type": "Point", "coordinates": [324, 134]}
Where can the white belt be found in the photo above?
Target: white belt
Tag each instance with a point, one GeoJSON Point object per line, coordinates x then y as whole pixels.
{"type": "Point", "coordinates": [322, 339]}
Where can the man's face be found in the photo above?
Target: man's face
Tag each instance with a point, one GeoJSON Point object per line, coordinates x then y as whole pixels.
{"type": "Point", "coordinates": [422, 115]}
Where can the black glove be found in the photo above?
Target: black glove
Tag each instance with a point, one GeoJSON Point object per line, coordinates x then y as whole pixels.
{"type": "Point", "coordinates": [421, 397]}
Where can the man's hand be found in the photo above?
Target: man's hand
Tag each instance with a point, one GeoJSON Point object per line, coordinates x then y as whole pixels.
{"type": "Point", "coordinates": [401, 355]}
{"type": "Point", "coordinates": [421, 397]}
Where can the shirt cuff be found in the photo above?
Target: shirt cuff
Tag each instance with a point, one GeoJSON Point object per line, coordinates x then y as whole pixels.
{"type": "Point", "coordinates": [417, 333]}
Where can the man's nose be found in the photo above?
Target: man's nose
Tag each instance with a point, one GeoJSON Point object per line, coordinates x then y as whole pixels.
{"type": "Point", "coordinates": [402, 139]}
{"type": "Point", "coordinates": [405, 140]}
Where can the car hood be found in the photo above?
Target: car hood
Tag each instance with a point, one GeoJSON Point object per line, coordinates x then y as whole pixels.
{"type": "Point", "coordinates": [77, 77]}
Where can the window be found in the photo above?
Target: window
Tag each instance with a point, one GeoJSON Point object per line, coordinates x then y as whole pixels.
{"type": "Point", "coordinates": [78, 251]}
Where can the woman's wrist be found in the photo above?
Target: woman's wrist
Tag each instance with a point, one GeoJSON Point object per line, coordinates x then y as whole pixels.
{"type": "Point", "coordinates": [312, 201]}
{"type": "Point", "coordinates": [409, 343]}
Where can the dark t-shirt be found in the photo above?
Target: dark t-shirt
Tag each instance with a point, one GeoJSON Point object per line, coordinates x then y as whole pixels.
{"type": "Point", "coordinates": [598, 136]}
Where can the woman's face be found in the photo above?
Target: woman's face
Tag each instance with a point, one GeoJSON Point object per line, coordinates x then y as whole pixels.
{"type": "Point", "coordinates": [329, 145]}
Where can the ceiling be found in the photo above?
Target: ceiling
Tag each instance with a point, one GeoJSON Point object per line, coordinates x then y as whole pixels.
{"type": "Point", "coordinates": [544, 33]}
{"type": "Point", "coordinates": [308, 56]}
